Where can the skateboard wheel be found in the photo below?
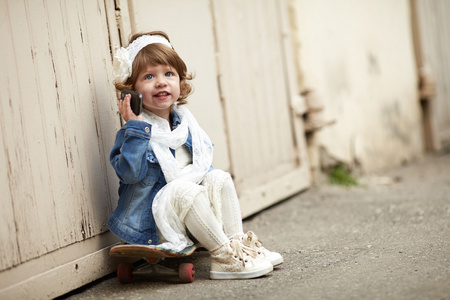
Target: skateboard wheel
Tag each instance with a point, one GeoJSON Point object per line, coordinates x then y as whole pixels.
{"type": "Point", "coordinates": [186, 273]}
{"type": "Point", "coordinates": [125, 273]}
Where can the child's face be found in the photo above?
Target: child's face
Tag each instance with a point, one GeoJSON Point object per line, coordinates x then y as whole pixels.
{"type": "Point", "coordinates": [160, 89]}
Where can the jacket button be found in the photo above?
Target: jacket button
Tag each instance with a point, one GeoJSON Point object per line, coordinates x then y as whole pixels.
{"type": "Point", "coordinates": [147, 129]}
{"type": "Point", "coordinates": [150, 242]}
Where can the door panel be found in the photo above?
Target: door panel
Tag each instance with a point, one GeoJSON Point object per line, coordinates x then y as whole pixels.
{"type": "Point", "coordinates": [265, 139]}
{"type": "Point", "coordinates": [58, 118]}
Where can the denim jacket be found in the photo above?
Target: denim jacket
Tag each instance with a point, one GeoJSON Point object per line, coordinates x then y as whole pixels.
{"type": "Point", "coordinates": [141, 178]}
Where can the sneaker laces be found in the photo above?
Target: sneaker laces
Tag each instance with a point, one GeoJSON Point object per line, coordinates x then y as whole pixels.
{"type": "Point", "coordinates": [241, 251]}
{"type": "Point", "coordinates": [253, 239]}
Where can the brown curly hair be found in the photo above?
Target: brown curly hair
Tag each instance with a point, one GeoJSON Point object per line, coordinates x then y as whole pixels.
{"type": "Point", "coordinates": [158, 54]}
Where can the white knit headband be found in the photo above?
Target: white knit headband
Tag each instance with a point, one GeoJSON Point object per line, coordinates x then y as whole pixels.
{"type": "Point", "coordinates": [124, 57]}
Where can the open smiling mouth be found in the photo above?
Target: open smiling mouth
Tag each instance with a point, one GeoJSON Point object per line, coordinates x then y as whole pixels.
{"type": "Point", "coordinates": [162, 95]}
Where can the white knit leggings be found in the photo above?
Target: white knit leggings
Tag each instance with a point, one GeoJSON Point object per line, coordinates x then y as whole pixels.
{"type": "Point", "coordinates": [214, 225]}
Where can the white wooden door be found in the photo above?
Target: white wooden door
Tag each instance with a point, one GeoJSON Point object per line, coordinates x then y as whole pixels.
{"type": "Point", "coordinates": [258, 84]}
{"type": "Point", "coordinates": [58, 120]}
{"type": "Point", "coordinates": [245, 46]}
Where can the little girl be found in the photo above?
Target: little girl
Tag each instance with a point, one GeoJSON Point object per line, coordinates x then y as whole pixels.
{"type": "Point", "coordinates": [169, 193]}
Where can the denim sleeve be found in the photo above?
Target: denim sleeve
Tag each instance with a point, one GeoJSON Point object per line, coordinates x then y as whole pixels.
{"type": "Point", "coordinates": [128, 155]}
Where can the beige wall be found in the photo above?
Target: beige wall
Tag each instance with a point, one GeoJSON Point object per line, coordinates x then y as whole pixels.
{"type": "Point", "coordinates": [358, 56]}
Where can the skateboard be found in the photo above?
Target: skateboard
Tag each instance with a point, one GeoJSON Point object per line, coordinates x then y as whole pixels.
{"type": "Point", "coordinates": [154, 256]}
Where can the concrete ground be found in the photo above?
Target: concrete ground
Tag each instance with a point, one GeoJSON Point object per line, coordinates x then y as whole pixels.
{"type": "Point", "coordinates": [387, 239]}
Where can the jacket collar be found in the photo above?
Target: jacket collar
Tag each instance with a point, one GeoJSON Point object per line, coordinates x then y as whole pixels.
{"type": "Point", "coordinates": [175, 120]}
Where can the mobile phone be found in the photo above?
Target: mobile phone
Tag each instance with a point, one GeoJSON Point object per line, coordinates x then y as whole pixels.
{"type": "Point", "coordinates": [136, 100]}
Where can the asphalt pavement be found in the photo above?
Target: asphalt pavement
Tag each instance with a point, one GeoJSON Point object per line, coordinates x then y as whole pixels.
{"type": "Point", "coordinates": [388, 238]}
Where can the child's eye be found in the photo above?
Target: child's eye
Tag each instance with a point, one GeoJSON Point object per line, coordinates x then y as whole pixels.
{"type": "Point", "coordinates": [149, 76]}
{"type": "Point", "coordinates": [169, 74]}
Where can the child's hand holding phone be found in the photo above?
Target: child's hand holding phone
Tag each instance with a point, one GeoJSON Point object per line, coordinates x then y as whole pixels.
{"type": "Point", "coordinates": [130, 105]}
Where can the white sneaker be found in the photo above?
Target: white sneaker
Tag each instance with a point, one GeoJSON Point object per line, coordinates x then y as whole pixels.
{"type": "Point", "coordinates": [236, 261]}
{"type": "Point", "coordinates": [251, 240]}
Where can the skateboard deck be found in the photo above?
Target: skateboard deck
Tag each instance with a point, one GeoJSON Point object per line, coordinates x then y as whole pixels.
{"type": "Point", "coordinates": [154, 255]}
{"type": "Point", "coordinates": [143, 251]}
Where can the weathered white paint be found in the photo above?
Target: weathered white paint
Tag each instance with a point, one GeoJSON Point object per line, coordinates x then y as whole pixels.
{"type": "Point", "coordinates": [434, 42]}
{"type": "Point", "coordinates": [61, 271]}
{"type": "Point", "coordinates": [358, 56]}
{"type": "Point", "coordinates": [58, 120]}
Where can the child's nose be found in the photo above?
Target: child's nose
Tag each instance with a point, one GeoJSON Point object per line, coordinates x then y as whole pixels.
{"type": "Point", "coordinates": [161, 81]}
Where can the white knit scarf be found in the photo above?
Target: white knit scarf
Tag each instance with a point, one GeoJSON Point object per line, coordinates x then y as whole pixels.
{"type": "Point", "coordinates": [179, 180]}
